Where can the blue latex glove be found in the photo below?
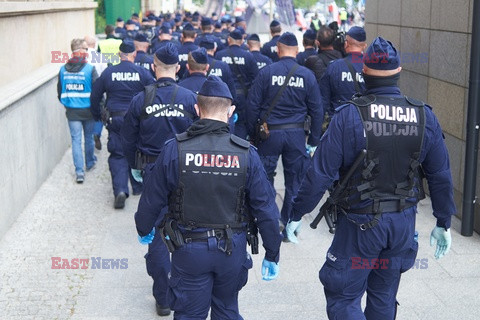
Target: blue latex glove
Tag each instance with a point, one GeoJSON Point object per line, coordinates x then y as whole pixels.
{"type": "Point", "coordinates": [292, 229]}
{"type": "Point", "coordinates": [444, 241]}
{"type": "Point", "coordinates": [311, 149]}
{"type": "Point", "coordinates": [235, 117]}
{"type": "Point", "coordinates": [148, 238]}
{"type": "Point", "coordinates": [137, 175]}
{"type": "Point", "coordinates": [269, 270]}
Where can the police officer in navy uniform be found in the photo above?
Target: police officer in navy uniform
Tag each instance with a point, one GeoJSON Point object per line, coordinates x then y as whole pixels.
{"type": "Point", "coordinates": [143, 59]}
{"type": "Point", "coordinates": [121, 83]}
{"type": "Point", "coordinates": [219, 33]}
{"type": "Point", "coordinates": [253, 43]}
{"type": "Point", "coordinates": [309, 47]}
{"type": "Point", "coordinates": [286, 117]}
{"type": "Point", "coordinates": [148, 124]}
{"type": "Point", "coordinates": [376, 217]}
{"type": "Point", "coordinates": [207, 31]}
{"type": "Point", "coordinates": [130, 29]}
{"type": "Point", "coordinates": [207, 176]}
{"type": "Point", "coordinates": [244, 69]}
{"type": "Point", "coordinates": [269, 49]}
{"type": "Point", "coordinates": [216, 67]}
{"type": "Point", "coordinates": [120, 31]}
{"type": "Point", "coordinates": [197, 67]}
{"type": "Point", "coordinates": [187, 46]}
{"type": "Point", "coordinates": [343, 77]}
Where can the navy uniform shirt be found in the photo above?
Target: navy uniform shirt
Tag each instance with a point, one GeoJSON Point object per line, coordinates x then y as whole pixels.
{"type": "Point", "coordinates": [300, 97]}
{"type": "Point", "coordinates": [244, 62]}
{"type": "Point", "coordinates": [218, 41]}
{"type": "Point", "coordinates": [222, 70]}
{"type": "Point", "coordinates": [345, 138]}
{"type": "Point", "coordinates": [183, 52]}
{"type": "Point", "coordinates": [130, 34]}
{"type": "Point", "coordinates": [223, 38]}
{"type": "Point", "coordinates": [194, 82]}
{"type": "Point", "coordinates": [269, 49]}
{"type": "Point", "coordinates": [260, 197]}
{"type": "Point", "coordinates": [121, 83]}
{"type": "Point", "coordinates": [262, 60]}
{"type": "Point", "coordinates": [157, 44]}
{"type": "Point", "coordinates": [120, 32]}
{"type": "Point", "coordinates": [336, 84]}
{"type": "Point", "coordinates": [149, 135]}
{"type": "Point", "coordinates": [145, 60]}
{"type": "Point", "coordinates": [302, 56]}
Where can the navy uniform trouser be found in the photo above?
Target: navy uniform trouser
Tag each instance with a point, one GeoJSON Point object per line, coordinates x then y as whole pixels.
{"type": "Point", "coordinates": [290, 143]}
{"type": "Point", "coordinates": [371, 261]}
{"type": "Point", "coordinates": [157, 259]}
{"type": "Point", "coordinates": [119, 168]}
{"type": "Point", "coordinates": [240, 128]}
{"type": "Point", "coordinates": [204, 277]}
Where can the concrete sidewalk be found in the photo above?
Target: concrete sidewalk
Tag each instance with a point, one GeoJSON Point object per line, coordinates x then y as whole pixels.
{"type": "Point", "coordinates": [71, 221]}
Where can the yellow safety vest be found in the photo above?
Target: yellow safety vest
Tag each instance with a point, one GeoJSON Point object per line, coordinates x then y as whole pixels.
{"type": "Point", "coordinates": [316, 24]}
{"type": "Point", "coordinates": [110, 49]}
{"type": "Point", "coordinates": [343, 15]}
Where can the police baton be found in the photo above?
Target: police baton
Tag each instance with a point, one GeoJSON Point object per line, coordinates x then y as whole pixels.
{"type": "Point", "coordinates": [333, 198]}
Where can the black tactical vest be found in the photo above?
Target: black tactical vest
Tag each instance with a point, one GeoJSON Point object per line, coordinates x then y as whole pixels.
{"type": "Point", "coordinates": [211, 188]}
{"type": "Point", "coordinates": [394, 129]}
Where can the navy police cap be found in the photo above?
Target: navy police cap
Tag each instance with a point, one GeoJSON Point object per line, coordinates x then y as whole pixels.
{"type": "Point", "coordinates": [206, 22]}
{"type": "Point", "coordinates": [200, 55]}
{"type": "Point", "coordinates": [310, 34]}
{"type": "Point", "coordinates": [239, 19]}
{"type": "Point", "coordinates": [140, 38]}
{"type": "Point", "coordinates": [253, 37]}
{"type": "Point", "coordinates": [381, 55]}
{"type": "Point", "coordinates": [119, 19]}
{"type": "Point", "coordinates": [218, 25]}
{"type": "Point", "coordinates": [207, 42]}
{"type": "Point", "coordinates": [357, 33]}
{"type": "Point", "coordinates": [215, 87]}
{"type": "Point", "coordinates": [288, 39]}
{"type": "Point", "coordinates": [167, 54]}
{"type": "Point", "coordinates": [164, 29]}
{"type": "Point", "coordinates": [129, 21]}
{"type": "Point", "coordinates": [236, 34]}
{"type": "Point", "coordinates": [274, 23]}
{"type": "Point", "coordinates": [127, 46]}
{"type": "Point", "coordinates": [188, 27]}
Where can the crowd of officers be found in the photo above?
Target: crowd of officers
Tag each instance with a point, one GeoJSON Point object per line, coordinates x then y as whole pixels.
{"type": "Point", "coordinates": [172, 90]}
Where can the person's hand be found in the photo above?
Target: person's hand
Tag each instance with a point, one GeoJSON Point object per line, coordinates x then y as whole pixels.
{"type": "Point", "coordinates": [269, 270]}
{"type": "Point", "coordinates": [292, 229]}
{"type": "Point", "coordinates": [148, 238]}
{"type": "Point", "coordinates": [137, 175]}
{"type": "Point", "coordinates": [443, 239]}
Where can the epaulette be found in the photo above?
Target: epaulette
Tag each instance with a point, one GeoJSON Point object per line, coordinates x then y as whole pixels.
{"type": "Point", "coordinates": [363, 101]}
{"type": "Point", "coordinates": [337, 109]}
{"type": "Point", "coordinates": [415, 102]}
{"type": "Point", "coordinates": [182, 136]}
{"type": "Point", "coordinates": [239, 141]}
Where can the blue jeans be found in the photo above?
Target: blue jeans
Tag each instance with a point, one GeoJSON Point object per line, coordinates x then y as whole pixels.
{"type": "Point", "coordinates": [76, 134]}
{"type": "Point", "coordinates": [97, 128]}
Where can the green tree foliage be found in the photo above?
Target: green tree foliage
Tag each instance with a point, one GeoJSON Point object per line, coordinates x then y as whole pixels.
{"type": "Point", "coordinates": [100, 19]}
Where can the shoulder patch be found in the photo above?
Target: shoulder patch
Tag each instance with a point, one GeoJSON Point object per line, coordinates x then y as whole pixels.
{"type": "Point", "coordinates": [414, 102]}
{"type": "Point", "coordinates": [239, 141]}
{"type": "Point", "coordinates": [182, 136]}
{"type": "Point", "coordinates": [363, 101]}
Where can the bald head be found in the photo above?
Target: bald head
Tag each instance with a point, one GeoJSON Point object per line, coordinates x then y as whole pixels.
{"type": "Point", "coordinates": [286, 51]}
{"type": "Point", "coordinates": [352, 45]}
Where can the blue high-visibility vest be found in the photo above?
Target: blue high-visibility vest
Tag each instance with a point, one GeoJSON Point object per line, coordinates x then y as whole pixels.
{"type": "Point", "coordinates": [76, 87]}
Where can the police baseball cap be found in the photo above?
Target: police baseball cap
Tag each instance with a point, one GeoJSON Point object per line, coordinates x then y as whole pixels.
{"type": "Point", "coordinates": [288, 39]}
{"type": "Point", "coordinates": [253, 37]}
{"type": "Point", "coordinates": [129, 21]}
{"type": "Point", "coordinates": [218, 25]}
{"type": "Point", "coordinates": [167, 54]}
{"type": "Point", "coordinates": [200, 55]}
{"type": "Point", "coordinates": [310, 34]}
{"type": "Point", "coordinates": [236, 34]}
{"type": "Point", "coordinates": [135, 15]}
{"type": "Point", "coordinates": [357, 33]}
{"type": "Point", "coordinates": [206, 22]}
{"type": "Point", "coordinates": [215, 87]}
{"type": "Point", "coordinates": [164, 29]}
{"type": "Point", "coordinates": [140, 38]}
{"type": "Point", "coordinates": [239, 19]}
{"type": "Point", "coordinates": [381, 55]}
{"type": "Point", "coordinates": [127, 46]}
{"type": "Point", "coordinates": [208, 42]}
{"type": "Point", "coordinates": [119, 19]}
{"type": "Point", "coordinates": [145, 20]}
{"type": "Point", "coordinates": [274, 23]}
{"type": "Point", "coordinates": [188, 27]}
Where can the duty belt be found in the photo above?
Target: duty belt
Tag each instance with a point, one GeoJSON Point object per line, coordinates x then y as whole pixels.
{"type": "Point", "coordinates": [149, 159]}
{"type": "Point", "coordinates": [203, 236]}
{"type": "Point", "coordinates": [384, 206]}
{"type": "Point", "coordinates": [285, 126]}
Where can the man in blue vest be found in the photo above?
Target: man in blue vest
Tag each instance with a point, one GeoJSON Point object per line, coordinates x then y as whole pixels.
{"type": "Point", "coordinates": [74, 88]}
{"type": "Point", "coordinates": [343, 77]}
{"type": "Point", "coordinates": [284, 112]}
{"type": "Point", "coordinates": [207, 177]}
{"type": "Point", "coordinates": [386, 137]}
{"type": "Point", "coordinates": [154, 116]}
{"type": "Point", "coordinates": [269, 49]}
{"type": "Point", "coordinates": [244, 68]}
{"type": "Point", "coordinates": [121, 83]}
